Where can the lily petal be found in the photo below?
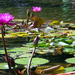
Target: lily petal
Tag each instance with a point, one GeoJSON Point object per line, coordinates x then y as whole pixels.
{"type": "Point", "coordinates": [0, 24]}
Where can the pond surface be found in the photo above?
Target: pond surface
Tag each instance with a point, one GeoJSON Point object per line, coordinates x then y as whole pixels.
{"type": "Point", "coordinates": [51, 9]}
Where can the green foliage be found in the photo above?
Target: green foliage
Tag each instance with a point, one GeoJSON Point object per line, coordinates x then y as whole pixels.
{"type": "Point", "coordinates": [24, 61]}
{"type": "Point", "coordinates": [4, 66]}
{"type": "Point", "coordinates": [69, 69]}
{"type": "Point", "coordinates": [55, 23]}
{"type": "Point", "coordinates": [70, 60]}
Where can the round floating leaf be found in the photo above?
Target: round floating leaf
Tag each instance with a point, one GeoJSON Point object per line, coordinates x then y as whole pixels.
{"type": "Point", "coordinates": [63, 44]}
{"type": "Point", "coordinates": [68, 50]}
{"type": "Point", "coordinates": [70, 60]}
{"type": "Point", "coordinates": [25, 55]}
{"type": "Point", "coordinates": [69, 41]}
{"type": "Point", "coordinates": [69, 69]}
{"type": "Point", "coordinates": [20, 49]}
{"type": "Point", "coordinates": [2, 52]}
{"type": "Point", "coordinates": [4, 66]}
{"type": "Point", "coordinates": [35, 61]}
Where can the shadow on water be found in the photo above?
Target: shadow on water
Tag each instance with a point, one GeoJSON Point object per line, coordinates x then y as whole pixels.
{"type": "Point", "coordinates": [55, 58]}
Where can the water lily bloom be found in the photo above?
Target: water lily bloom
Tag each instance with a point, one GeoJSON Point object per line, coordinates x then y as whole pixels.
{"type": "Point", "coordinates": [35, 42]}
{"type": "Point", "coordinates": [12, 63]}
{"type": "Point", "coordinates": [36, 9]}
{"type": "Point", "coordinates": [6, 18]}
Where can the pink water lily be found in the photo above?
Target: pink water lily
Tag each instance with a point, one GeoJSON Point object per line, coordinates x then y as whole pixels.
{"type": "Point", "coordinates": [6, 18]}
{"type": "Point", "coordinates": [36, 9]}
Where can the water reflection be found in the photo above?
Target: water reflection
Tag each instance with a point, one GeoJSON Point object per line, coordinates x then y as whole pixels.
{"type": "Point", "coordinates": [51, 9]}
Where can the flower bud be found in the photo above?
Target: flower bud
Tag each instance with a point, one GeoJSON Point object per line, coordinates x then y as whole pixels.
{"type": "Point", "coordinates": [12, 63]}
{"type": "Point", "coordinates": [35, 42]}
{"type": "Point", "coordinates": [28, 12]}
{"type": "Point", "coordinates": [31, 15]}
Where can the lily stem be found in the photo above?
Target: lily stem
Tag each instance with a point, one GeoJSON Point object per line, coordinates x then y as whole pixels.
{"type": "Point", "coordinates": [35, 19]}
{"type": "Point", "coordinates": [29, 64]}
{"type": "Point", "coordinates": [5, 50]}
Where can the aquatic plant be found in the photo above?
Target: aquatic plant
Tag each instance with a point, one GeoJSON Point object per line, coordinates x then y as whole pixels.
{"type": "Point", "coordinates": [35, 43]}
{"type": "Point", "coordinates": [55, 23]}
{"type": "Point", "coordinates": [5, 18]}
{"type": "Point", "coordinates": [28, 17]}
{"type": "Point", "coordinates": [36, 9]}
{"type": "Point", "coordinates": [12, 63]}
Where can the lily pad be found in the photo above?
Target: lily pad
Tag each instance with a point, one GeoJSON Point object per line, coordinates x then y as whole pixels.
{"type": "Point", "coordinates": [70, 60]}
{"type": "Point", "coordinates": [25, 55]}
{"type": "Point", "coordinates": [63, 44]}
{"type": "Point", "coordinates": [69, 50]}
{"type": "Point", "coordinates": [35, 61]}
{"type": "Point", "coordinates": [69, 41]}
{"type": "Point", "coordinates": [69, 69]}
{"type": "Point", "coordinates": [4, 66]}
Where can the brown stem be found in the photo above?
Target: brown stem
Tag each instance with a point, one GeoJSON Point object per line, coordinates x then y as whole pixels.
{"type": "Point", "coordinates": [50, 69]}
{"type": "Point", "coordinates": [5, 49]}
{"type": "Point", "coordinates": [27, 22]}
{"type": "Point", "coordinates": [16, 71]}
{"type": "Point", "coordinates": [29, 64]}
{"type": "Point", "coordinates": [35, 19]}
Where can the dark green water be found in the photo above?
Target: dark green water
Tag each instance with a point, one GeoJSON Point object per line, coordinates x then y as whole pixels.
{"type": "Point", "coordinates": [51, 9]}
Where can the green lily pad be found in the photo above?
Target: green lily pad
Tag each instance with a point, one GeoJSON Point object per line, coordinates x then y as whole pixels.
{"type": "Point", "coordinates": [4, 66]}
{"type": "Point", "coordinates": [35, 61]}
{"type": "Point", "coordinates": [20, 49]}
{"type": "Point", "coordinates": [69, 69]}
{"type": "Point", "coordinates": [69, 50]}
{"type": "Point", "coordinates": [69, 41]}
{"type": "Point", "coordinates": [25, 55]}
{"type": "Point", "coordinates": [2, 52]}
{"type": "Point", "coordinates": [63, 44]}
{"type": "Point", "coordinates": [70, 60]}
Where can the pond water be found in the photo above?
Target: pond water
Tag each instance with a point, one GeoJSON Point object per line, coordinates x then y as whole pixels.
{"type": "Point", "coordinates": [51, 9]}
